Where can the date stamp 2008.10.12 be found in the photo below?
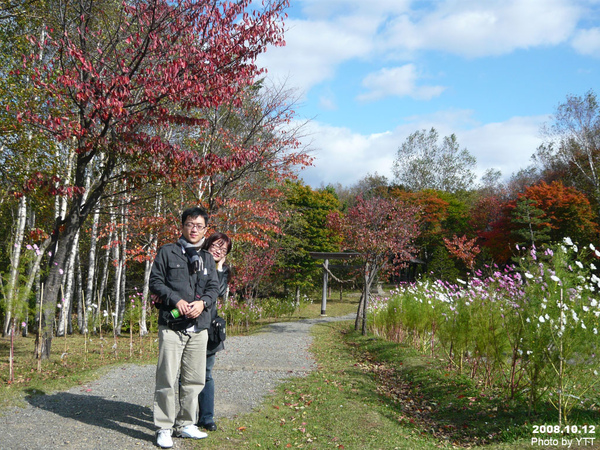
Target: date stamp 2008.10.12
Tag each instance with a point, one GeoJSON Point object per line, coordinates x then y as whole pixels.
{"type": "Point", "coordinates": [567, 436]}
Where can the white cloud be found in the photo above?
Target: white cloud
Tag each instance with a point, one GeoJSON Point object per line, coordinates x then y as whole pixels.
{"type": "Point", "coordinates": [587, 42]}
{"type": "Point", "coordinates": [474, 28]}
{"type": "Point", "coordinates": [333, 8]}
{"type": "Point", "coordinates": [398, 82]}
{"type": "Point", "coordinates": [507, 146]}
{"type": "Point", "coordinates": [314, 50]}
{"type": "Point", "coordinates": [344, 157]}
{"type": "Point", "coordinates": [335, 32]}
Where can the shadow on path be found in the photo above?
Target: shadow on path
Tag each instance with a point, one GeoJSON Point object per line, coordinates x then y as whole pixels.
{"type": "Point", "coordinates": [99, 412]}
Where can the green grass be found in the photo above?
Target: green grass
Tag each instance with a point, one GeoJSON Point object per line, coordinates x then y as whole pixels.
{"type": "Point", "coordinates": [366, 394]}
{"type": "Point", "coordinates": [336, 406]}
{"type": "Point", "coordinates": [371, 394]}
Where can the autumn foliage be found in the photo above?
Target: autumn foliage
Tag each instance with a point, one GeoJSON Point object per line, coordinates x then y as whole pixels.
{"type": "Point", "coordinates": [464, 249]}
{"type": "Point", "coordinates": [121, 84]}
{"type": "Point", "coordinates": [382, 231]}
{"type": "Point", "coordinates": [563, 211]}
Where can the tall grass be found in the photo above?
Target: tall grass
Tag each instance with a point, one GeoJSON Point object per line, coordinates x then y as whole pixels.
{"type": "Point", "coordinates": [530, 330]}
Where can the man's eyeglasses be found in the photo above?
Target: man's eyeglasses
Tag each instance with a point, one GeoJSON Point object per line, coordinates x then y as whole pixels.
{"type": "Point", "coordinates": [197, 226]}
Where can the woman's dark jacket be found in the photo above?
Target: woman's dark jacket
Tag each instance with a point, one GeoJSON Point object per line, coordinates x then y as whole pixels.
{"type": "Point", "coordinates": [223, 276]}
{"type": "Point", "coordinates": [172, 278]}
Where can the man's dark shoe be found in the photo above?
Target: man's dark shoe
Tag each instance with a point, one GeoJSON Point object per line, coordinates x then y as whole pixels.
{"type": "Point", "coordinates": [210, 426]}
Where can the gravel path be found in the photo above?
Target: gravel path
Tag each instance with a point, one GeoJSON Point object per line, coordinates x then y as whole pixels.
{"type": "Point", "coordinates": [115, 412]}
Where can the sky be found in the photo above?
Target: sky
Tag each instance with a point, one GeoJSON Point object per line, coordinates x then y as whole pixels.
{"type": "Point", "coordinates": [368, 73]}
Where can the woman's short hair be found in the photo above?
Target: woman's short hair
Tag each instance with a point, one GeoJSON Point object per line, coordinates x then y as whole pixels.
{"type": "Point", "coordinates": [215, 237]}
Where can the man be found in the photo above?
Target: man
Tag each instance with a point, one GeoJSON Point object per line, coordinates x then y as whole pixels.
{"type": "Point", "coordinates": [185, 279]}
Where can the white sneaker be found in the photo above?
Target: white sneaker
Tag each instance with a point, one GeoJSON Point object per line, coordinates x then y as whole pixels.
{"type": "Point", "coordinates": [164, 439]}
{"type": "Point", "coordinates": [192, 431]}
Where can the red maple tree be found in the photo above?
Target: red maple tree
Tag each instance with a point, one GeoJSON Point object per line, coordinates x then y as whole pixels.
{"type": "Point", "coordinates": [382, 231]}
{"type": "Point", "coordinates": [464, 249]}
{"type": "Point", "coordinates": [121, 81]}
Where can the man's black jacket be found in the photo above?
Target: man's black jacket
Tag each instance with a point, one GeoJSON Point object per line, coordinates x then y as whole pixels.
{"type": "Point", "coordinates": [172, 278]}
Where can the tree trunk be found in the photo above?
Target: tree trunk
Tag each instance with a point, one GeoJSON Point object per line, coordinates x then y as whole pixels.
{"type": "Point", "coordinates": [370, 273]}
{"type": "Point", "coordinates": [15, 259]}
{"type": "Point", "coordinates": [34, 271]}
{"type": "Point", "coordinates": [146, 290]}
{"type": "Point", "coordinates": [123, 262]}
{"type": "Point", "coordinates": [63, 245]}
{"type": "Point", "coordinates": [361, 303]}
{"type": "Point", "coordinates": [145, 303]}
{"type": "Point", "coordinates": [64, 324]}
{"type": "Point", "coordinates": [77, 294]}
{"type": "Point", "coordinates": [151, 251]}
{"type": "Point", "coordinates": [91, 275]}
{"type": "Point", "coordinates": [116, 286]}
{"type": "Point", "coordinates": [104, 278]}
{"type": "Point", "coordinates": [367, 295]}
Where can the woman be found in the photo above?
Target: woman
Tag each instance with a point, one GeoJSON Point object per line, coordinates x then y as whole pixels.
{"type": "Point", "coordinates": [219, 246]}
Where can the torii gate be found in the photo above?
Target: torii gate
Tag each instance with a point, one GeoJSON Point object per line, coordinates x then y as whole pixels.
{"type": "Point", "coordinates": [327, 256]}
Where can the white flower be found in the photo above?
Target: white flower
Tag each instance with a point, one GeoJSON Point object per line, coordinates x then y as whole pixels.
{"type": "Point", "coordinates": [541, 319]}
{"type": "Point", "coordinates": [583, 325]}
{"type": "Point", "coordinates": [544, 305]}
{"type": "Point", "coordinates": [585, 308]}
{"type": "Point", "coordinates": [592, 248]}
{"type": "Point", "coordinates": [593, 266]}
{"type": "Point", "coordinates": [595, 330]}
{"type": "Point", "coordinates": [568, 241]}
{"type": "Point", "coordinates": [579, 264]}
{"type": "Point", "coordinates": [547, 316]}
{"type": "Point", "coordinates": [597, 253]}
{"type": "Point", "coordinates": [555, 278]}
{"type": "Point", "coordinates": [594, 303]}
{"type": "Point", "coordinates": [461, 281]}
{"type": "Point", "coordinates": [528, 275]}
{"type": "Point", "coordinates": [575, 249]}
{"type": "Point", "coordinates": [528, 320]}
{"type": "Point", "coordinates": [529, 352]}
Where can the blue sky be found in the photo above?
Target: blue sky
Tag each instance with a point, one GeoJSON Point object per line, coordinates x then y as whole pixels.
{"type": "Point", "coordinates": [370, 72]}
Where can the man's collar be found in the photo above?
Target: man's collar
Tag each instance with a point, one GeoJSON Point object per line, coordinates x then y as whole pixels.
{"type": "Point", "coordinates": [197, 246]}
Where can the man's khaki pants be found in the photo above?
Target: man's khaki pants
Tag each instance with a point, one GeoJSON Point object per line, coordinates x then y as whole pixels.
{"type": "Point", "coordinates": [184, 354]}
